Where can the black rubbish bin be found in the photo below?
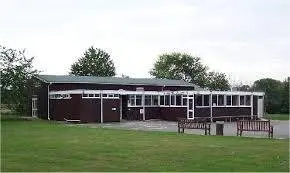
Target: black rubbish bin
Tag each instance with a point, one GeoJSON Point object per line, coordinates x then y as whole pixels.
{"type": "Point", "coordinates": [220, 128]}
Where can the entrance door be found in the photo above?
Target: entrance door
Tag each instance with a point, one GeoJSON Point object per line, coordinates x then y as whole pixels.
{"type": "Point", "coordinates": [124, 106]}
{"type": "Point", "coordinates": [34, 107]}
{"type": "Point", "coordinates": [260, 106]}
{"type": "Point", "coordinates": [190, 107]}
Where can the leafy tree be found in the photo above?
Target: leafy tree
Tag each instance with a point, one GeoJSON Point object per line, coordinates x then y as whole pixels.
{"type": "Point", "coordinates": [94, 62]}
{"type": "Point", "coordinates": [273, 93]}
{"type": "Point", "coordinates": [285, 96]}
{"type": "Point", "coordinates": [16, 72]}
{"type": "Point", "coordinates": [180, 66]}
{"type": "Point", "coordinates": [217, 81]}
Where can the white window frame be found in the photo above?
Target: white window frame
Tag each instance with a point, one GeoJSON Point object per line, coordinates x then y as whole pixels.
{"type": "Point", "coordinates": [63, 96]}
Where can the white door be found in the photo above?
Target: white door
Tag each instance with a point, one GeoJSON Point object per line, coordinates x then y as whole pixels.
{"type": "Point", "coordinates": [190, 107]}
{"type": "Point", "coordinates": [34, 107]}
{"type": "Point", "coordinates": [260, 106]}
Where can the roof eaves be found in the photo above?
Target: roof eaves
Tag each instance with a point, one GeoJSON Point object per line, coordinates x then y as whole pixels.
{"type": "Point", "coordinates": [105, 83]}
{"type": "Point", "coordinates": [38, 77]}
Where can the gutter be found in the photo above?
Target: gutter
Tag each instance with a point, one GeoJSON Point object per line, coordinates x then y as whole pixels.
{"type": "Point", "coordinates": [48, 116]}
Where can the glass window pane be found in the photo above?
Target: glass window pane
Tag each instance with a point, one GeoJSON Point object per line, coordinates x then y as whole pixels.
{"type": "Point", "coordinates": [184, 101]}
{"type": "Point", "coordinates": [105, 95]}
{"type": "Point", "coordinates": [229, 100]}
{"type": "Point", "coordinates": [172, 100]}
{"type": "Point", "coordinates": [242, 100]}
{"type": "Point", "coordinates": [116, 95]}
{"type": "Point", "coordinates": [190, 104]}
{"type": "Point", "coordinates": [97, 95]}
{"type": "Point", "coordinates": [205, 100]}
{"type": "Point", "coordinates": [221, 100]}
{"type": "Point", "coordinates": [190, 114]}
{"type": "Point", "coordinates": [148, 100]}
{"type": "Point", "coordinates": [198, 100]}
{"type": "Point", "coordinates": [167, 98]}
{"type": "Point", "coordinates": [235, 100]}
{"type": "Point", "coordinates": [132, 100]}
{"type": "Point", "coordinates": [161, 100]}
{"type": "Point", "coordinates": [138, 100]}
{"type": "Point", "coordinates": [214, 100]}
{"type": "Point", "coordinates": [248, 100]}
{"type": "Point", "coordinates": [155, 100]}
{"type": "Point", "coordinates": [91, 95]}
{"type": "Point", "coordinates": [178, 100]}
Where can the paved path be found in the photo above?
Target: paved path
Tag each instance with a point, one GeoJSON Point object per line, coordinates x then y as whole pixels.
{"type": "Point", "coordinates": [281, 128]}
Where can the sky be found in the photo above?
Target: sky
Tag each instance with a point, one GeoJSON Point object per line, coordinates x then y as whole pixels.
{"type": "Point", "coordinates": [246, 39]}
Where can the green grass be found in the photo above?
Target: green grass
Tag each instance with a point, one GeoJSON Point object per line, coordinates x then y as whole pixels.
{"type": "Point", "coordinates": [51, 146]}
{"type": "Point", "coordinates": [278, 116]}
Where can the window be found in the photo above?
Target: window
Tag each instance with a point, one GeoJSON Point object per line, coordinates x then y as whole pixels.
{"type": "Point", "coordinates": [184, 100]}
{"type": "Point", "coordinates": [178, 100]}
{"type": "Point", "coordinates": [202, 100]}
{"type": "Point", "coordinates": [162, 100]}
{"type": "Point", "coordinates": [235, 100]}
{"type": "Point", "coordinates": [97, 95]}
{"type": "Point", "coordinates": [198, 100]}
{"type": "Point", "coordinates": [85, 95]}
{"type": "Point", "coordinates": [248, 100]}
{"type": "Point", "coordinates": [154, 100]}
{"type": "Point", "coordinates": [229, 100]}
{"type": "Point", "coordinates": [214, 100]}
{"type": "Point", "coordinates": [132, 100]}
{"type": "Point", "coordinates": [221, 100]}
{"type": "Point", "coordinates": [148, 100]}
{"type": "Point", "coordinates": [172, 100]}
{"type": "Point", "coordinates": [167, 98]}
{"type": "Point", "coordinates": [242, 100]}
{"type": "Point", "coordinates": [116, 95]}
{"type": "Point", "coordinates": [205, 100]}
{"type": "Point", "coordinates": [111, 95]}
{"type": "Point", "coordinates": [59, 96]}
{"type": "Point", "coordinates": [91, 95]}
{"type": "Point", "coordinates": [105, 95]}
{"type": "Point", "coordinates": [190, 115]}
{"type": "Point", "coordinates": [138, 100]}
{"type": "Point", "coordinates": [190, 104]}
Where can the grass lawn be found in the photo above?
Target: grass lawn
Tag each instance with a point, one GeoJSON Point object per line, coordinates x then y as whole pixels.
{"type": "Point", "coordinates": [50, 146]}
{"type": "Point", "coordinates": [278, 116]}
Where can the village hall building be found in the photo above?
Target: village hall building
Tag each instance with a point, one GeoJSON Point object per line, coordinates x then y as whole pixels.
{"type": "Point", "coordinates": [111, 99]}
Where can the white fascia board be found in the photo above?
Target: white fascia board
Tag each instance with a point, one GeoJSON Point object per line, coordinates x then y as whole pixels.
{"type": "Point", "coordinates": [67, 92]}
{"type": "Point", "coordinates": [124, 92]}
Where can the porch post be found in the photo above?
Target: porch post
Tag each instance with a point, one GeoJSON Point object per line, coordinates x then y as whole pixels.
{"type": "Point", "coordinates": [210, 104]}
{"type": "Point", "coordinates": [101, 95]}
{"type": "Point", "coordinates": [121, 106]}
{"type": "Point", "coordinates": [252, 111]}
{"type": "Point", "coordinates": [143, 104]}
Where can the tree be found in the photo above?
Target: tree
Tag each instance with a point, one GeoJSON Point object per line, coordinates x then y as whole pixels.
{"type": "Point", "coordinates": [94, 62]}
{"type": "Point", "coordinates": [285, 96]}
{"type": "Point", "coordinates": [180, 66]}
{"type": "Point", "coordinates": [16, 72]}
{"type": "Point", "coordinates": [217, 81]}
{"type": "Point", "coordinates": [273, 93]}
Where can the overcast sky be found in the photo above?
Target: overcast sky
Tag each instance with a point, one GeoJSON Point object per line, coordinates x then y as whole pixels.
{"type": "Point", "coordinates": [247, 40]}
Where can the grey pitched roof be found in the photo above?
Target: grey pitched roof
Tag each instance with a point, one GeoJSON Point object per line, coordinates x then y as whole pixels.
{"type": "Point", "coordinates": [111, 80]}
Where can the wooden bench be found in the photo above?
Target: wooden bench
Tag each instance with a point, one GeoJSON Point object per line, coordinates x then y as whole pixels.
{"type": "Point", "coordinates": [184, 123]}
{"type": "Point", "coordinates": [72, 121]}
{"type": "Point", "coordinates": [254, 125]}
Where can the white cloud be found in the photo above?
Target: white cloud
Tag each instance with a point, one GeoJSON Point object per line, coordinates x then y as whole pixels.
{"type": "Point", "coordinates": [245, 39]}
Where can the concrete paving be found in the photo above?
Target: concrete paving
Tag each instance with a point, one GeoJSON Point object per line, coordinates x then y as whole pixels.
{"type": "Point", "coordinates": [281, 128]}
